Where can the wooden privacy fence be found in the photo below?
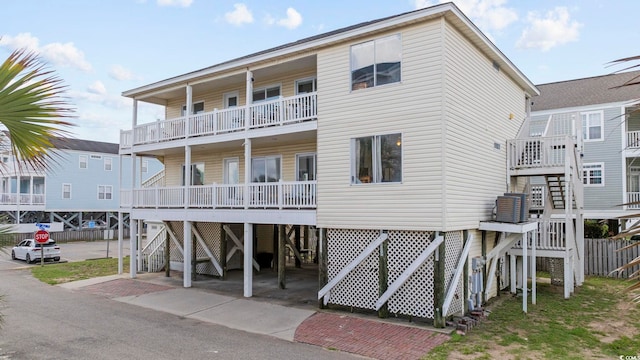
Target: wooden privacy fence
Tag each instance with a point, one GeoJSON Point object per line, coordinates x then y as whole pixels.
{"type": "Point", "coordinates": [601, 257]}
{"type": "Point", "coordinates": [67, 236]}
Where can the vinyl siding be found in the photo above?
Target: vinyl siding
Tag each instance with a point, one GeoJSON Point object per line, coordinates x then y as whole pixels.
{"type": "Point", "coordinates": [478, 102]}
{"type": "Point", "coordinates": [214, 163]}
{"type": "Point", "coordinates": [412, 108]}
{"type": "Point", "coordinates": [607, 151]}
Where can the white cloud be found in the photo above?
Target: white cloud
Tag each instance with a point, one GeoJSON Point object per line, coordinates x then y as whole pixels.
{"type": "Point", "coordinates": [104, 99]}
{"type": "Point", "coordinates": [241, 15]}
{"type": "Point", "coordinates": [553, 29]}
{"type": "Point", "coordinates": [97, 88]}
{"type": "Point", "coordinates": [59, 54]}
{"type": "Point", "coordinates": [488, 15]}
{"type": "Point", "coordinates": [120, 73]}
{"type": "Point", "coordinates": [293, 19]}
{"type": "Point", "coordinates": [181, 3]}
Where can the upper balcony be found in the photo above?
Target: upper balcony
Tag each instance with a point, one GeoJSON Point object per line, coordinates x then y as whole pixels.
{"type": "Point", "coordinates": [539, 155]}
{"type": "Point", "coordinates": [279, 112]}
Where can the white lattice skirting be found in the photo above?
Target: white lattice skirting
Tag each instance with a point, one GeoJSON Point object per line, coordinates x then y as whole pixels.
{"type": "Point", "coordinates": [360, 287]}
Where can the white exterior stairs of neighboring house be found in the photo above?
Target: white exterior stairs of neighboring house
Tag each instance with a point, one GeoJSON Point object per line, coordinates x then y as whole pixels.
{"type": "Point", "coordinates": [556, 155]}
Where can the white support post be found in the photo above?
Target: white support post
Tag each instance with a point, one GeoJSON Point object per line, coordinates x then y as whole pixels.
{"type": "Point", "coordinates": [133, 236]}
{"type": "Point", "coordinates": [247, 171]}
{"type": "Point", "coordinates": [187, 254]}
{"type": "Point", "coordinates": [533, 266]}
{"type": "Point", "coordinates": [248, 260]}
{"type": "Point", "coordinates": [120, 244]}
{"type": "Point", "coordinates": [188, 110]}
{"type": "Point", "coordinates": [187, 174]}
{"type": "Point", "coordinates": [525, 278]}
{"type": "Point", "coordinates": [139, 243]}
{"type": "Point", "coordinates": [249, 96]}
{"type": "Point", "coordinates": [512, 273]}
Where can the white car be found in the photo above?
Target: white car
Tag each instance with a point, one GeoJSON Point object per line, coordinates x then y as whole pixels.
{"type": "Point", "coordinates": [30, 251]}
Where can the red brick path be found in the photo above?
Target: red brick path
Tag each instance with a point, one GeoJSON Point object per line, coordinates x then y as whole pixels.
{"type": "Point", "coordinates": [371, 338]}
{"type": "Point", "coordinates": [124, 287]}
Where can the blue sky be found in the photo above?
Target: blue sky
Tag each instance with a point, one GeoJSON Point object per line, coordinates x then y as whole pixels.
{"type": "Point", "coordinates": [102, 48]}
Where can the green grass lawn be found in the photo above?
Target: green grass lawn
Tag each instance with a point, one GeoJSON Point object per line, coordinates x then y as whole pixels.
{"type": "Point", "coordinates": [598, 321]}
{"type": "Point", "coordinates": [65, 272]}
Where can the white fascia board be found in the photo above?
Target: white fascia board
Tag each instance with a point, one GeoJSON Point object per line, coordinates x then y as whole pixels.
{"type": "Point", "coordinates": [430, 12]}
{"type": "Point", "coordinates": [590, 107]}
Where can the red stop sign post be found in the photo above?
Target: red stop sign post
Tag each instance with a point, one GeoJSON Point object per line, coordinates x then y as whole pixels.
{"type": "Point", "coordinates": [41, 237]}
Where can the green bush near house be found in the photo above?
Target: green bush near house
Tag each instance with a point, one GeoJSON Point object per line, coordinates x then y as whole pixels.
{"type": "Point", "coordinates": [593, 229]}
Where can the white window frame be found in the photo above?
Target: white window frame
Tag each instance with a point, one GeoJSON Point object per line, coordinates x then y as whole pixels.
{"type": "Point", "coordinates": [315, 165]}
{"type": "Point", "coordinates": [66, 185]}
{"type": "Point", "coordinates": [194, 165]}
{"type": "Point", "coordinates": [144, 167]}
{"type": "Point", "coordinates": [279, 157]}
{"type": "Point", "coordinates": [376, 177]}
{"type": "Point", "coordinates": [183, 109]}
{"type": "Point", "coordinates": [106, 191]}
{"type": "Point", "coordinates": [108, 163]}
{"type": "Point", "coordinates": [265, 89]}
{"type": "Point", "coordinates": [363, 85]}
{"type": "Point", "coordinates": [584, 116]}
{"type": "Point", "coordinates": [587, 179]}
{"type": "Point", "coordinates": [312, 79]}
{"type": "Point", "coordinates": [225, 169]}
{"type": "Point", "coordinates": [229, 95]}
{"type": "Point", "coordinates": [83, 162]}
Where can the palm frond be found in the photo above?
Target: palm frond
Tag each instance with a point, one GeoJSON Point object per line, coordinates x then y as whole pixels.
{"type": "Point", "coordinates": [33, 109]}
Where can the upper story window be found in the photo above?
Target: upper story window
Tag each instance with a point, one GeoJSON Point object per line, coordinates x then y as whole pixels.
{"type": "Point", "coordinates": [145, 166]}
{"type": "Point", "coordinates": [266, 169]}
{"type": "Point", "coordinates": [105, 192]}
{"type": "Point", "coordinates": [197, 174]}
{"type": "Point", "coordinates": [108, 163]}
{"type": "Point", "coordinates": [83, 161]}
{"type": "Point", "coordinates": [197, 108]}
{"type": "Point", "coordinates": [305, 86]}
{"type": "Point", "coordinates": [593, 174]}
{"type": "Point", "coordinates": [377, 159]}
{"type": "Point", "coordinates": [266, 93]}
{"type": "Point", "coordinates": [66, 191]}
{"type": "Point", "coordinates": [376, 62]}
{"type": "Point", "coordinates": [592, 125]}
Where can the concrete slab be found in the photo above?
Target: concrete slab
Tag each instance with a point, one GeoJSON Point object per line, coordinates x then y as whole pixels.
{"type": "Point", "coordinates": [256, 317]}
{"type": "Point", "coordinates": [82, 283]}
{"type": "Point", "coordinates": [179, 301]}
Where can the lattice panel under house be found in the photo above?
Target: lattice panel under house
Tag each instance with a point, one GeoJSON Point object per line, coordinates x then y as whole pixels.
{"type": "Point", "coordinates": [360, 287]}
{"type": "Point", "coordinates": [453, 248]}
{"type": "Point", "coordinates": [415, 296]}
{"type": "Point", "coordinates": [211, 235]}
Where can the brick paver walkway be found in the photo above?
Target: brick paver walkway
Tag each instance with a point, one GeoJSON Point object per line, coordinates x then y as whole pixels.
{"type": "Point", "coordinates": [371, 338]}
{"type": "Point", "coordinates": [124, 287]}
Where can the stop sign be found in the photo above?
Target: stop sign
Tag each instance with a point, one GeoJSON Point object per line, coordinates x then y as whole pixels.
{"type": "Point", "coordinates": [42, 236]}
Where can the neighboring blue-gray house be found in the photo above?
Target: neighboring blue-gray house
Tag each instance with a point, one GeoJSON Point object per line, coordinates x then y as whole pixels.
{"type": "Point", "coordinates": [610, 133]}
{"type": "Point", "coordinates": [81, 189]}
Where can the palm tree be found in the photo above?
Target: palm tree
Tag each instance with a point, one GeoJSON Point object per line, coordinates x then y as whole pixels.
{"type": "Point", "coordinates": [635, 227]}
{"type": "Point", "coordinates": [32, 108]}
{"type": "Point", "coordinates": [32, 111]}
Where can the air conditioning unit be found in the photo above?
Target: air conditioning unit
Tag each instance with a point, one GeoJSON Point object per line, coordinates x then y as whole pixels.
{"type": "Point", "coordinates": [524, 205]}
{"type": "Point", "coordinates": [508, 209]}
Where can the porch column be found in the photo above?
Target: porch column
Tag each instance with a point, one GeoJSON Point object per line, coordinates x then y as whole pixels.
{"type": "Point", "coordinates": [120, 243]}
{"type": "Point", "coordinates": [248, 260]}
{"type": "Point", "coordinates": [247, 171]}
{"type": "Point", "coordinates": [133, 235]}
{"type": "Point", "coordinates": [187, 239]}
{"type": "Point", "coordinates": [187, 112]}
{"type": "Point", "coordinates": [187, 174]}
{"type": "Point", "coordinates": [249, 97]}
{"type": "Point", "coordinates": [139, 242]}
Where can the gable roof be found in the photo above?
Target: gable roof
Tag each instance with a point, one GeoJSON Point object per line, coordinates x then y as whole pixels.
{"type": "Point", "coordinates": [85, 145]}
{"type": "Point", "coordinates": [448, 10]}
{"type": "Point", "coordinates": [587, 91]}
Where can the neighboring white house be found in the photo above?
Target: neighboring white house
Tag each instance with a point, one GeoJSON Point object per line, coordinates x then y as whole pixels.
{"type": "Point", "coordinates": [380, 147]}
{"type": "Point", "coordinates": [610, 126]}
{"type": "Point", "coordinates": [81, 187]}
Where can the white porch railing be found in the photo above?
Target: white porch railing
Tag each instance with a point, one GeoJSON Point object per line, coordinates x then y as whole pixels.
{"type": "Point", "coordinates": [633, 197]}
{"type": "Point", "coordinates": [538, 152]}
{"type": "Point", "coordinates": [153, 253]}
{"type": "Point", "coordinates": [276, 112]}
{"type": "Point", "coordinates": [280, 195]}
{"type": "Point", "coordinates": [633, 139]}
{"type": "Point", "coordinates": [26, 199]}
{"type": "Point", "coordinates": [551, 235]}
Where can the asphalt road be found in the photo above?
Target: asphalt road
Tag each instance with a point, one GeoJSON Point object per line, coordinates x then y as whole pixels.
{"type": "Point", "coordinates": [50, 322]}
